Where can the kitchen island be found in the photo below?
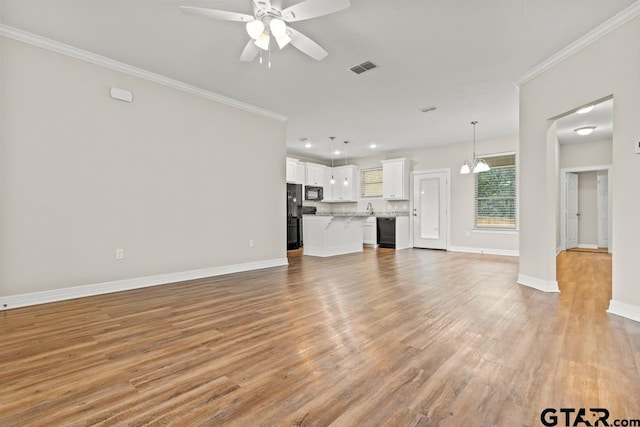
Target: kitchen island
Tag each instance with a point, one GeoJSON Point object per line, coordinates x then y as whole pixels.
{"type": "Point", "coordinates": [333, 234]}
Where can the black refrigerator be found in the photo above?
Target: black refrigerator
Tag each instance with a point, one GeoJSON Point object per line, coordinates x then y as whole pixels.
{"type": "Point", "coordinates": [294, 216]}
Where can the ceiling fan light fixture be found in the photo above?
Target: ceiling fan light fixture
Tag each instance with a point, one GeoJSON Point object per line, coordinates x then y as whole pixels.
{"type": "Point", "coordinates": [255, 28]}
{"type": "Point", "coordinates": [584, 131]}
{"type": "Point", "coordinates": [282, 40]}
{"type": "Point", "coordinates": [278, 27]}
{"type": "Point", "coordinates": [263, 41]}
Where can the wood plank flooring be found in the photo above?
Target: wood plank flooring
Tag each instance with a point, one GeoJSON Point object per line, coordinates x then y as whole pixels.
{"type": "Point", "coordinates": [406, 338]}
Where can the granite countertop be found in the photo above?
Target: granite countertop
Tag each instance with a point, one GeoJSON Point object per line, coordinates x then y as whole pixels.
{"type": "Point", "coordinates": [365, 213]}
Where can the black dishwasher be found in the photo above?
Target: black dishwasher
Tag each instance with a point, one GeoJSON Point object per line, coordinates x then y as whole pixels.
{"type": "Point", "coordinates": [386, 228]}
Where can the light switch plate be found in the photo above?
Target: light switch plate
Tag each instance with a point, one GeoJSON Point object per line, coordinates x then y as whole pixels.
{"type": "Point", "coordinates": [638, 147]}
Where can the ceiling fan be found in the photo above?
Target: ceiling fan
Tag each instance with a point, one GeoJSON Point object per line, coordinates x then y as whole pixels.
{"type": "Point", "coordinates": [269, 21]}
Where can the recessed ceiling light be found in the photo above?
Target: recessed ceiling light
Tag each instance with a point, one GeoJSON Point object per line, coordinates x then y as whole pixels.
{"type": "Point", "coordinates": [585, 110]}
{"type": "Point", "coordinates": [373, 146]}
{"type": "Point", "coordinates": [337, 152]}
{"type": "Point", "coordinates": [308, 144]}
{"type": "Point", "coordinates": [587, 130]}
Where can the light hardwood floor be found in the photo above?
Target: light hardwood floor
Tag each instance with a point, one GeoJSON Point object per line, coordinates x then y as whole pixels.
{"type": "Point", "coordinates": [413, 337]}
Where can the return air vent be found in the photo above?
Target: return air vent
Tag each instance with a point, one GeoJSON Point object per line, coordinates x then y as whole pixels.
{"type": "Point", "coordinates": [361, 68]}
{"type": "Point", "coordinates": [428, 109]}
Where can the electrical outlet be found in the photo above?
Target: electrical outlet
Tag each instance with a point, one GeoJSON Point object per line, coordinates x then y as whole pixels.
{"type": "Point", "coordinates": [468, 234]}
{"type": "Point", "coordinates": [251, 243]}
{"type": "Point", "coordinates": [119, 254]}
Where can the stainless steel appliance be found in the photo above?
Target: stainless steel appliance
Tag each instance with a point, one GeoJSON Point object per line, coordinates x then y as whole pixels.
{"type": "Point", "coordinates": [313, 193]}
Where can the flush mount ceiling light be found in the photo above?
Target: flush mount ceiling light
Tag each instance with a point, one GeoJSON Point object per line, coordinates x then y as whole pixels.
{"type": "Point", "coordinates": [307, 142]}
{"type": "Point", "coordinates": [270, 21]}
{"type": "Point", "coordinates": [478, 165]}
{"type": "Point", "coordinates": [585, 110]}
{"type": "Point", "coordinates": [584, 131]}
{"type": "Point", "coordinates": [373, 145]}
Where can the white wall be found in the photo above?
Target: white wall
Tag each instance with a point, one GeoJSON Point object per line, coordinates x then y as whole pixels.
{"type": "Point", "coordinates": [178, 181]}
{"type": "Point", "coordinates": [588, 209]}
{"type": "Point", "coordinates": [595, 153]}
{"type": "Point", "coordinates": [462, 189]}
{"type": "Point", "coordinates": [609, 66]}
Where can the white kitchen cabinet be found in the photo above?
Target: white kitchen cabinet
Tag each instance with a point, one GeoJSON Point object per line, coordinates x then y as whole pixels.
{"type": "Point", "coordinates": [327, 187]}
{"type": "Point", "coordinates": [395, 179]}
{"type": "Point", "coordinates": [369, 231]}
{"type": "Point", "coordinates": [301, 174]}
{"type": "Point", "coordinates": [342, 192]}
{"type": "Point", "coordinates": [295, 174]}
{"type": "Point", "coordinates": [402, 232]}
{"type": "Point", "coordinates": [315, 174]}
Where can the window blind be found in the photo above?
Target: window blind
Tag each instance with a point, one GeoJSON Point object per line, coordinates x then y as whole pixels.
{"type": "Point", "coordinates": [371, 182]}
{"type": "Point", "coordinates": [495, 194]}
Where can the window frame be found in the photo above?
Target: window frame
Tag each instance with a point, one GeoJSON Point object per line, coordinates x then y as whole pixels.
{"type": "Point", "coordinates": [498, 229]}
{"type": "Point", "coordinates": [363, 183]}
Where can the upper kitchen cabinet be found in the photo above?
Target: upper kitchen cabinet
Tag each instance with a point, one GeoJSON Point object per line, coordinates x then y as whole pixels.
{"type": "Point", "coordinates": [315, 175]}
{"type": "Point", "coordinates": [295, 171]}
{"type": "Point", "coordinates": [395, 179]}
{"type": "Point", "coordinates": [345, 192]}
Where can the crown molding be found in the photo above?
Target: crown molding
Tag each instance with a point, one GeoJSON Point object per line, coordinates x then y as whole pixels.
{"type": "Point", "coordinates": [83, 55]}
{"type": "Point", "coordinates": [591, 37]}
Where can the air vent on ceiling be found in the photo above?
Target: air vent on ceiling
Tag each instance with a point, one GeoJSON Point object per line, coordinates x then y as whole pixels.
{"type": "Point", "coordinates": [361, 68]}
{"type": "Point", "coordinates": [427, 109]}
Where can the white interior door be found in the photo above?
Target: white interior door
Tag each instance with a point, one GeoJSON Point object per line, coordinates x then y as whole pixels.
{"type": "Point", "coordinates": [603, 211]}
{"type": "Point", "coordinates": [430, 210]}
{"type": "Point", "coordinates": [572, 210]}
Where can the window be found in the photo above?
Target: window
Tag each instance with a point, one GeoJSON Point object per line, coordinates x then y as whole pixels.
{"type": "Point", "coordinates": [371, 182]}
{"type": "Point", "coordinates": [495, 204]}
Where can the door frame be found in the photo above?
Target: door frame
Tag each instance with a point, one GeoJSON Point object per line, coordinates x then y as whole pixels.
{"type": "Point", "coordinates": [563, 200]}
{"type": "Point", "coordinates": [412, 175]}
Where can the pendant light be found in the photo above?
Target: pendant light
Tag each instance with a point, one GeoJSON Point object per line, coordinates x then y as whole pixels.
{"type": "Point", "coordinates": [333, 180]}
{"type": "Point", "coordinates": [477, 165]}
{"type": "Point", "coordinates": [346, 179]}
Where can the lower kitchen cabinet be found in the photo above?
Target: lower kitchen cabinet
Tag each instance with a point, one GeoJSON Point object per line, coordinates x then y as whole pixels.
{"type": "Point", "coordinates": [369, 231]}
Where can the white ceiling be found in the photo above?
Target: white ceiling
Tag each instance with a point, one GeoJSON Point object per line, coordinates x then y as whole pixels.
{"type": "Point", "coordinates": [459, 55]}
{"type": "Point", "coordinates": [601, 117]}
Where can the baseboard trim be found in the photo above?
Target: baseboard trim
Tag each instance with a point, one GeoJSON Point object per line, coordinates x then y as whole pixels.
{"type": "Point", "coordinates": [43, 297]}
{"type": "Point", "coordinates": [587, 246]}
{"type": "Point", "coordinates": [539, 284]}
{"type": "Point", "coordinates": [558, 250]}
{"type": "Point", "coordinates": [624, 310]}
{"type": "Point", "coordinates": [485, 251]}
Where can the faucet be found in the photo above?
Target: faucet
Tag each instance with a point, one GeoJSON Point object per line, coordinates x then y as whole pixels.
{"type": "Point", "coordinates": [369, 207]}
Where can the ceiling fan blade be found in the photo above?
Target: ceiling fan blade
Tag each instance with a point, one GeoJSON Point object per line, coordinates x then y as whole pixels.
{"type": "Point", "coordinates": [313, 8]}
{"type": "Point", "coordinates": [250, 51]}
{"type": "Point", "coordinates": [221, 15]}
{"type": "Point", "coordinates": [307, 46]}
